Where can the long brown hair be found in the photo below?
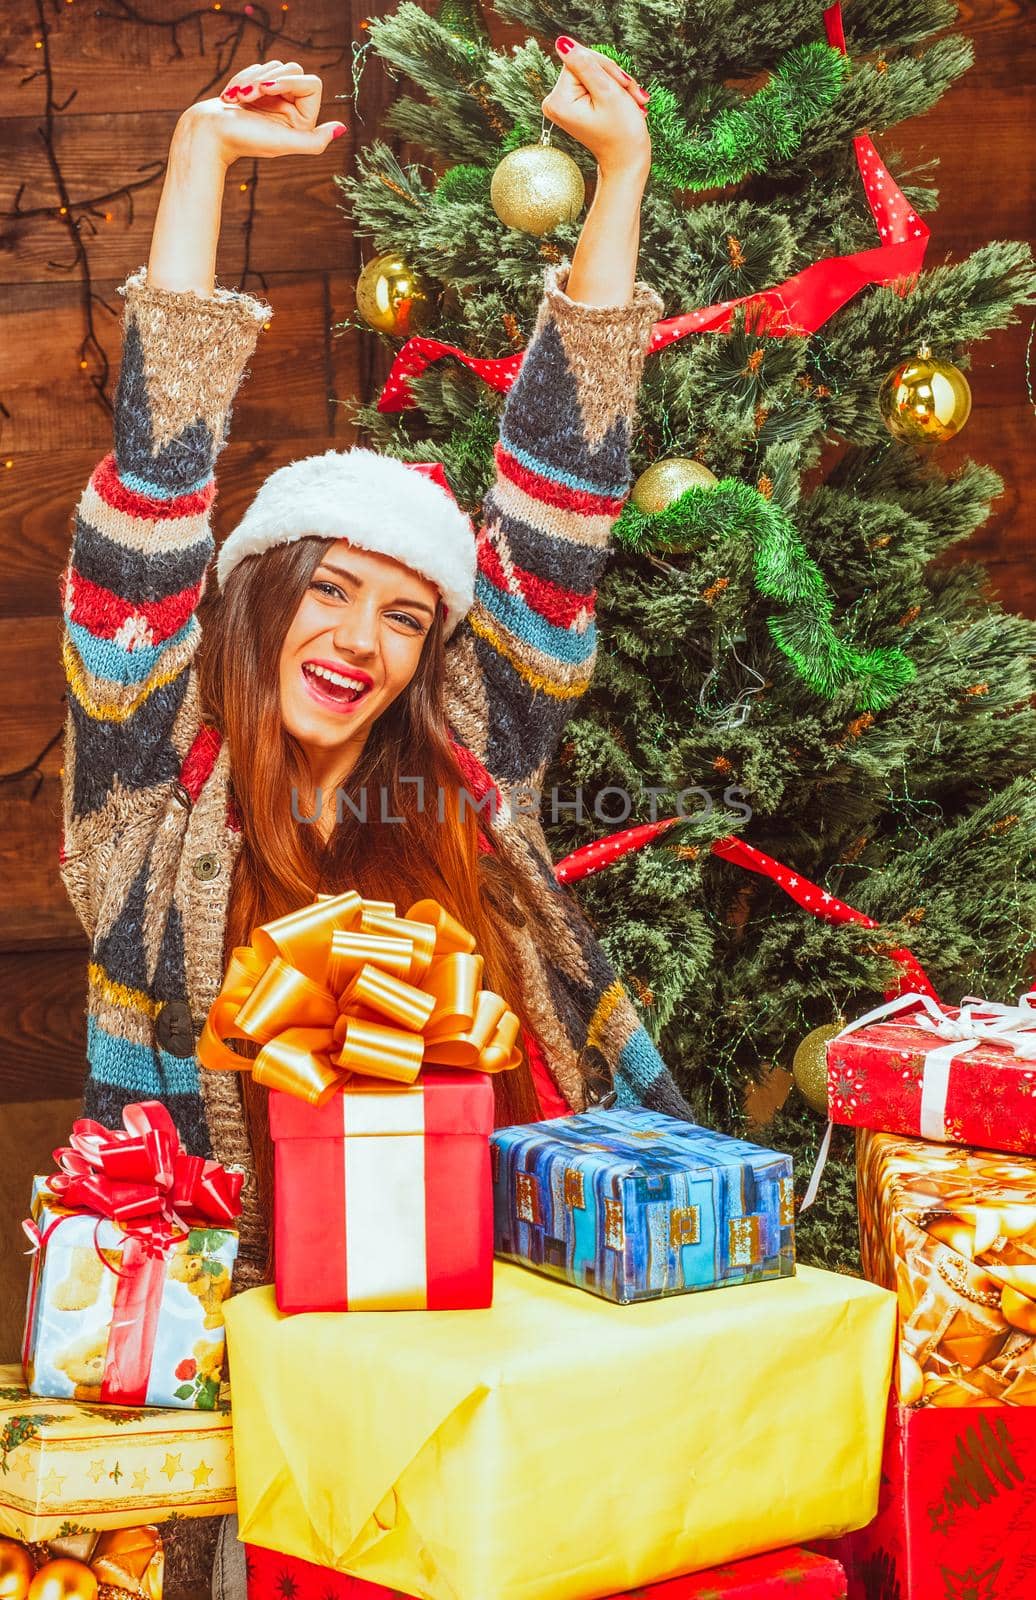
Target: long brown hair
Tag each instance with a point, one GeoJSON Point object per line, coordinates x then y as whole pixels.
{"type": "Point", "coordinates": [284, 863]}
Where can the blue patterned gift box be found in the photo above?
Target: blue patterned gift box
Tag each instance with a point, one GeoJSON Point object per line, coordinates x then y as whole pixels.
{"type": "Point", "coordinates": [632, 1204]}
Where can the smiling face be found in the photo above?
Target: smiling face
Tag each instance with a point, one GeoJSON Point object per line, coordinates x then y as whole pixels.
{"type": "Point", "coordinates": [350, 651]}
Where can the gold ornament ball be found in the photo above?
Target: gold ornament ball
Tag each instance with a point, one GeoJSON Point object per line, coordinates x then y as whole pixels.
{"type": "Point", "coordinates": [665, 481]}
{"type": "Point", "coordinates": [809, 1066]}
{"type": "Point", "coordinates": [536, 187]}
{"type": "Point", "coordinates": [925, 400]}
{"type": "Point", "coordinates": [392, 297]}
{"type": "Point", "coordinates": [63, 1579]}
{"type": "Point", "coordinates": [17, 1570]}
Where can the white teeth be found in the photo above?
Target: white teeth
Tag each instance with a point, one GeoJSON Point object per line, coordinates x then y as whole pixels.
{"type": "Point", "coordinates": [337, 677]}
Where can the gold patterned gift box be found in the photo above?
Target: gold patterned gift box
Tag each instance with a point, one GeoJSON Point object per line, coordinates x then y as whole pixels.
{"type": "Point", "coordinates": [64, 1464]}
{"type": "Point", "coordinates": [953, 1232]}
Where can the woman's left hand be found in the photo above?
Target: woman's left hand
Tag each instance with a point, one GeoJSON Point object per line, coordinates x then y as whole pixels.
{"type": "Point", "coordinates": [602, 107]}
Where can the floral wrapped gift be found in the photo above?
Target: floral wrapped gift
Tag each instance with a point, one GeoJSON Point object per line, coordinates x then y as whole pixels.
{"type": "Point", "coordinates": [134, 1251]}
{"type": "Point", "coordinates": [632, 1204]}
{"type": "Point", "coordinates": [64, 1464]}
{"type": "Point", "coordinates": [802, 1573]}
{"type": "Point", "coordinates": [377, 1042]}
{"type": "Point", "coordinates": [953, 1232]}
{"type": "Point", "coordinates": [83, 1565]}
{"type": "Point", "coordinates": [964, 1075]}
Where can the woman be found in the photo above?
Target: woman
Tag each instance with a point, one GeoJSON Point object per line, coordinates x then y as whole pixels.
{"type": "Point", "coordinates": [359, 642]}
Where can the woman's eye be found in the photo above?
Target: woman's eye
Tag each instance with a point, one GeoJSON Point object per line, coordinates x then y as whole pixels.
{"type": "Point", "coordinates": [324, 585]}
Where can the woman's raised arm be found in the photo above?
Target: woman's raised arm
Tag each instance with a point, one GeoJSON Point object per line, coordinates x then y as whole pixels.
{"type": "Point", "coordinates": [525, 653]}
{"type": "Point", "coordinates": [142, 539]}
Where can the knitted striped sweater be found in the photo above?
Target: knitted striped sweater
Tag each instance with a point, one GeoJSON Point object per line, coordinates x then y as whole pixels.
{"type": "Point", "coordinates": [150, 833]}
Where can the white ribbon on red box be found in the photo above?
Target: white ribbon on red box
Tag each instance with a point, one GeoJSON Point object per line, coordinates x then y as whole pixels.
{"type": "Point", "coordinates": [977, 1022]}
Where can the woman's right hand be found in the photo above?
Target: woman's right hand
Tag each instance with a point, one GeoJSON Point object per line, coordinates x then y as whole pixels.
{"type": "Point", "coordinates": [267, 109]}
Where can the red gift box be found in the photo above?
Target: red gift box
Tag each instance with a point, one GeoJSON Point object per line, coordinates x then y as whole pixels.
{"type": "Point", "coordinates": [956, 1513]}
{"type": "Point", "coordinates": [383, 1196]}
{"type": "Point", "coordinates": [956, 1076]}
{"type": "Point", "coordinates": [806, 1575]}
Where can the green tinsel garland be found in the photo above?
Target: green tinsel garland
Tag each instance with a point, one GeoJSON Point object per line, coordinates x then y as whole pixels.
{"type": "Point", "coordinates": [465, 183]}
{"type": "Point", "coordinates": [784, 571]}
{"type": "Point", "coordinates": [769, 127]}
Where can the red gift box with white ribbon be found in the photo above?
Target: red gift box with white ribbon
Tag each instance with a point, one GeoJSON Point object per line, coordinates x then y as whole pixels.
{"type": "Point", "coordinates": [383, 1196]}
{"type": "Point", "coordinates": [955, 1075]}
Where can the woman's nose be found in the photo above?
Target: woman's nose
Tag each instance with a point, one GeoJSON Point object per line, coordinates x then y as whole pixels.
{"type": "Point", "coordinates": [358, 635]}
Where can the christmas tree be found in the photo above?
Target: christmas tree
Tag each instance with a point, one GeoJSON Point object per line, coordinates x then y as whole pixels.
{"type": "Point", "coordinates": [779, 658]}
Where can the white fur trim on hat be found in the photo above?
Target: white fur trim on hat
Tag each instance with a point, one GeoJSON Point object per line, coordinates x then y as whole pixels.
{"type": "Point", "coordinates": [376, 502]}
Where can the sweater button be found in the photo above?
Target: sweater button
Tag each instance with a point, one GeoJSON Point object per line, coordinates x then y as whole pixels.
{"type": "Point", "coordinates": [174, 1029]}
{"type": "Point", "coordinates": [206, 866]}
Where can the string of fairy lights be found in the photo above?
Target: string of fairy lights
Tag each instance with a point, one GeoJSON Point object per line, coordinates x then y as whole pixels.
{"type": "Point", "coordinates": [81, 216]}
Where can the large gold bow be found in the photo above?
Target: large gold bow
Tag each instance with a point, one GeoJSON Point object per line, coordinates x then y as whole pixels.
{"type": "Point", "coordinates": [347, 986]}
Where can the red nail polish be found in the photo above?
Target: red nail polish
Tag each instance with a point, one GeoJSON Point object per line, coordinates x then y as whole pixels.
{"type": "Point", "coordinates": [336, 133]}
{"type": "Point", "coordinates": [267, 83]}
{"type": "Point", "coordinates": [564, 44]}
{"type": "Point", "coordinates": [231, 92]}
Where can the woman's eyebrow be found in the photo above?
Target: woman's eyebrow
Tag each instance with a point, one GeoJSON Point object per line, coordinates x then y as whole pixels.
{"type": "Point", "coordinates": [400, 600]}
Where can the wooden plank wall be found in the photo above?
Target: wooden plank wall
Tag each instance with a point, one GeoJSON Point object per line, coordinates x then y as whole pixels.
{"type": "Point", "coordinates": [981, 135]}
{"type": "Point", "coordinates": [129, 73]}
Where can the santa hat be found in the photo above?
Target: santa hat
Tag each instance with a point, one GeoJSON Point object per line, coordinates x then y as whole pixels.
{"type": "Point", "coordinates": [402, 509]}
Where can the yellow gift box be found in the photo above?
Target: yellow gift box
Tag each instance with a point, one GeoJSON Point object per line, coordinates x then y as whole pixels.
{"type": "Point", "coordinates": [558, 1446]}
{"type": "Point", "coordinates": [65, 1463]}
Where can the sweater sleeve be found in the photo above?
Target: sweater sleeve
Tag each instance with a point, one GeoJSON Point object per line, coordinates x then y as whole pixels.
{"type": "Point", "coordinates": [141, 544]}
{"type": "Point", "coordinates": [524, 655]}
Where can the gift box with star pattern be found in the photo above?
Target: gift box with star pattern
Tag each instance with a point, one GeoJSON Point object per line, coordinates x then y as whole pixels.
{"type": "Point", "coordinates": [64, 1462]}
{"type": "Point", "coordinates": [633, 1204]}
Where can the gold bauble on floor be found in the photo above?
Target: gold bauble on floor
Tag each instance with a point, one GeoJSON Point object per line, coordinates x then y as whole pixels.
{"type": "Point", "coordinates": [809, 1066]}
{"type": "Point", "coordinates": [925, 400]}
{"type": "Point", "coordinates": [535, 187]}
{"type": "Point", "coordinates": [392, 297]}
{"type": "Point", "coordinates": [665, 481]}
{"type": "Point", "coordinates": [63, 1579]}
{"type": "Point", "coordinates": [17, 1570]}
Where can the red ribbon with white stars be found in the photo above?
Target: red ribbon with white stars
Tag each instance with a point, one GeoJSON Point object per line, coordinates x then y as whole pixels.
{"type": "Point", "coordinates": [912, 980]}
{"type": "Point", "coordinates": [799, 306]}
{"type": "Point", "coordinates": [601, 853]}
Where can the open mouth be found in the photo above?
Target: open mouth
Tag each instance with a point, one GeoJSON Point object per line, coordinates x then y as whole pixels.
{"type": "Point", "coordinates": [337, 689]}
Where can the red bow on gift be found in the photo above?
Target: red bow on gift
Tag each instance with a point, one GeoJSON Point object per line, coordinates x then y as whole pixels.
{"type": "Point", "coordinates": [140, 1177]}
